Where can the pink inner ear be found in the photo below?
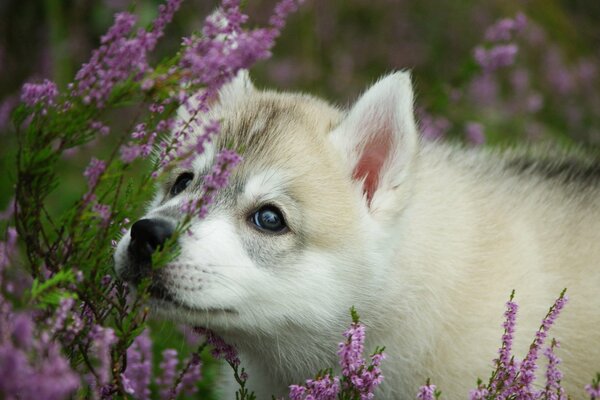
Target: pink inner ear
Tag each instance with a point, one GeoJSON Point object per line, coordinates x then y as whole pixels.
{"type": "Point", "coordinates": [370, 164]}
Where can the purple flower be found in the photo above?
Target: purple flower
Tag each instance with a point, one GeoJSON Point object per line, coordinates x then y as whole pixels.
{"type": "Point", "coordinates": [322, 388]}
{"type": "Point", "coordinates": [553, 389]}
{"type": "Point", "coordinates": [426, 392]}
{"type": "Point", "coordinates": [496, 57]}
{"type": "Point", "coordinates": [61, 314]}
{"type": "Point", "coordinates": [102, 340]}
{"type": "Point", "coordinates": [221, 349]}
{"type": "Point", "coordinates": [127, 385]}
{"type": "Point", "coordinates": [480, 393]}
{"type": "Point", "coordinates": [282, 10]}
{"type": "Point", "coordinates": [138, 374]}
{"type": "Point", "coordinates": [103, 211]}
{"type": "Point", "coordinates": [357, 375]}
{"type": "Point", "coordinates": [31, 366]}
{"type": "Point", "coordinates": [165, 16]}
{"type": "Point", "coordinates": [297, 392]}
{"type": "Point", "coordinates": [168, 367]}
{"type": "Point", "coordinates": [350, 351]}
{"type": "Point", "coordinates": [120, 56]}
{"type": "Point", "coordinates": [528, 366]}
{"type": "Point", "coordinates": [475, 134]}
{"type": "Point", "coordinates": [506, 368]}
{"type": "Point", "coordinates": [593, 390]}
{"type": "Point", "coordinates": [192, 375]}
{"type": "Point", "coordinates": [22, 330]}
{"type": "Point", "coordinates": [44, 94]}
{"type": "Point", "coordinates": [100, 128]}
{"type": "Point", "coordinates": [503, 30]}
{"type": "Point", "coordinates": [93, 171]}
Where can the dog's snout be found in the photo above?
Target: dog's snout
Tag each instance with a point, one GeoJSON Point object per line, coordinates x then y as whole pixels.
{"type": "Point", "coordinates": [147, 235]}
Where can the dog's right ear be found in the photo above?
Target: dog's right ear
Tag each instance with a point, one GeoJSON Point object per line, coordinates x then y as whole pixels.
{"type": "Point", "coordinates": [378, 139]}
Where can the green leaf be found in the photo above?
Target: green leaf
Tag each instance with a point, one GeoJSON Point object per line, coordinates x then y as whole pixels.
{"type": "Point", "coordinates": [39, 291]}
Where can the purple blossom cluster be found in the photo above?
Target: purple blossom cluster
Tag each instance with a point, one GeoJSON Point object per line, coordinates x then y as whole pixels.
{"type": "Point", "coordinates": [358, 380]}
{"type": "Point", "coordinates": [43, 94]}
{"type": "Point", "coordinates": [323, 387]}
{"type": "Point", "coordinates": [209, 62]}
{"type": "Point", "coordinates": [221, 349]}
{"type": "Point", "coordinates": [514, 379]}
{"type": "Point", "coordinates": [120, 56]}
{"type": "Point", "coordinates": [427, 392]}
{"type": "Point", "coordinates": [506, 28]}
{"type": "Point", "coordinates": [137, 376]}
{"type": "Point", "coordinates": [32, 363]}
{"type": "Point", "coordinates": [494, 58]}
{"type": "Point", "coordinates": [593, 390]}
{"type": "Point", "coordinates": [93, 172]}
{"type": "Point", "coordinates": [553, 389]}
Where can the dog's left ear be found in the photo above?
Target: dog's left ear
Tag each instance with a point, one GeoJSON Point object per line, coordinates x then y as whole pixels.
{"type": "Point", "coordinates": [378, 138]}
{"type": "Point", "coordinates": [240, 86]}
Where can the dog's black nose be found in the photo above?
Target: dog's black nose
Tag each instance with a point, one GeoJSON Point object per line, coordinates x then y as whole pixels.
{"type": "Point", "coordinates": [146, 236]}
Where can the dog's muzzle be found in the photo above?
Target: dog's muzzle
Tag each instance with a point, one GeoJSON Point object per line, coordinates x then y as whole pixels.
{"type": "Point", "coordinates": [147, 235]}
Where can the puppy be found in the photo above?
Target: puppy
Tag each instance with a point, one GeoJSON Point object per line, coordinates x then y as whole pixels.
{"type": "Point", "coordinates": [336, 208]}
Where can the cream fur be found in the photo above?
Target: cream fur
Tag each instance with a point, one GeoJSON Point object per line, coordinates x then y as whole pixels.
{"type": "Point", "coordinates": [429, 262]}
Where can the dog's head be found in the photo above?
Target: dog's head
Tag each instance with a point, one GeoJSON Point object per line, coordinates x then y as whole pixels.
{"type": "Point", "coordinates": [299, 233]}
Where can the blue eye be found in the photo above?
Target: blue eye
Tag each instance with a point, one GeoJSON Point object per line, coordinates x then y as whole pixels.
{"type": "Point", "coordinates": [182, 182]}
{"type": "Point", "coordinates": [269, 218]}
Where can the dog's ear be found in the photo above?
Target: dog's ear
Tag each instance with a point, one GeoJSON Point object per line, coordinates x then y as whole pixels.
{"type": "Point", "coordinates": [231, 92]}
{"type": "Point", "coordinates": [238, 87]}
{"type": "Point", "coordinates": [378, 137]}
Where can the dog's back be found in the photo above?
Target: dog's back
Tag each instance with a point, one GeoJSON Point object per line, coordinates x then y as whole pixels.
{"type": "Point", "coordinates": [481, 224]}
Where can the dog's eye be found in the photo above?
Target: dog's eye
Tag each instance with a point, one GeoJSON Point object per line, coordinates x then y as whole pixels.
{"type": "Point", "coordinates": [182, 182]}
{"type": "Point", "coordinates": [269, 218]}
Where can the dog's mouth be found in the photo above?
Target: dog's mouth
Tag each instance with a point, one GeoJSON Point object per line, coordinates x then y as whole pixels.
{"type": "Point", "coordinates": [168, 303]}
{"type": "Point", "coordinates": [161, 298]}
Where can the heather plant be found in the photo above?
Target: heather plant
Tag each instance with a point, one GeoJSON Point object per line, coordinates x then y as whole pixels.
{"type": "Point", "coordinates": [514, 379]}
{"type": "Point", "coordinates": [69, 329]}
{"type": "Point", "coordinates": [358, 379]}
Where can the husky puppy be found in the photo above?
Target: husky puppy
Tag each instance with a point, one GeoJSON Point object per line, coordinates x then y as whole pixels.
{"type": "Point", "coordinates": [333, 208]}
